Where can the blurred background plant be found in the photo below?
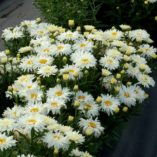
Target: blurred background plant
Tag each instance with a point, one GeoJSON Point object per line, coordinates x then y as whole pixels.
{"type": "Point", "coordinates": [102, 13]}
{"type": "Point", "coordinates": [60, 11]}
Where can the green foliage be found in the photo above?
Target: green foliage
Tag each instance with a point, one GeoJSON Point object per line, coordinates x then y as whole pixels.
{"type": "Point", "coordinates": [60, 11]}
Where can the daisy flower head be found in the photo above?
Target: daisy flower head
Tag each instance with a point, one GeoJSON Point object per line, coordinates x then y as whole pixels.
{"type": "Point", "coordinates": [109, 104]}
{"type": "Point", "coordinates": [59, 93]}
{"type": "Point", "coordinates": [27, 63]}
{"type": "Point", "coordinates": [7, 124]}
{"type": "Point", "coordinates": [140, 94]}
{"type": "Point", "coordinates": [83, 97]}
{"type": "Point", "coordinates": [47, 70]}
{"type": "Point", "coordinates": [77, 153]}
{"type": "Point", "coordinates": [6, 142]}
{"type": "Point", "coordinates": [113, 34]}
{"type": "Point", "coordinates": [42, 61]}
{"type": "Point", "coordinates": [69, 36]}
{"type": "Point", "coordinates": [146, 80]}
{"type": "Point", "coordinates": [75, 137]}
{"type": "Point", "coordinates": [91, 126]}
{"type": "Point", "coordinates": [83, 45]}
{"type": "Point", "coordinates": [54, 105]}
{"type": "Point", "coordinates": [114, 53]}
{"type": "Point", "coordinates": [127, 95]}
{"type": "Point", "coordinates": [34, 95]}
{"type": "Point", "coordinates": [147, 50]}
{"type": "Point", "coordinates": [138, 59]}
{"type": "Point", "coordinates": [139, 35]}
{"type": "Point", "coordinates": [61, 49]}
{"type": "Point", "coordinates": [31, 121]}
{"type": "Point", "coordinates": [12, 33]}
{"type": "Point", "coordinates": [56, 140]}
{"type": "Point", "coordinates": [13, 113]}
{"type": "Point", "coordinates": [72, 70]}
{"type": "Point", "coordinates": [39, 30]}
{"type": "Point", "coordinates": [109, 62]}
{"type": "Point", "coordinates": [45, 48]}
{"type": "Point", "coordinates": [83, 60]}
{"type": "Point", "coordinates": [37, 108]}
{"type": "Point", "coordinates": [89, 108]}
{"type": "Point", "coordinates": [25, 49]}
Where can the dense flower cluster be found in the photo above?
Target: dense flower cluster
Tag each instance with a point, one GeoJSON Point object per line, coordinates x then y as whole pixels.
{"type": "Point", "coordinates": [66, 82]}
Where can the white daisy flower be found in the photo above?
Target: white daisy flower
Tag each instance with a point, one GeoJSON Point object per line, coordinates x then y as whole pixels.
{"type": "Point", "coordinates": [118, 43]}
{"type": "Point", "coordinates": [77, 153]}
{"type": "Point", "coordinates": [140, 94]}
{"type": "Point", "coordinates": [6, 142]}
{"type": "Point", "coordinates": [113, 34]}
{"type": "Point", "coordinates": [127, 95]}
{"type": "Point", "coordinates": [91, 125]}
{"type": "Point", "coordinates": [146, 80]}
{"type": "Point", "coordinates": [27, 63]}
{"type": "Point", "coordinates": [35, 108]}
{"type": "Point", "coordinates": [114, 53]}
{"type": "Point", "coordinates": [128, 49]}
{"type": "Point", "coordinates": [139, 35]}
{"type": "Point", "coordinates": [42, 61]}
{"type": "Point", "coordinates": [83, 59]}
{"type": "Point", "coordinates": [56, 140]}
{"type": "Point", "coordinates": [30, 121]}
{"type": "Point", "coordinates": [125, 27]}
{"type": "Point", "coordinates": [83, 45]}
{"type": "Point", "coordinates": [109, 62]}
{"type": "Point", "coordinates": [54, 105]}
{"type": "Point", "coordinates": [13, 113]}
{"type": "Point", "coordinates": [83, 97]}
{"type": "Point", "coordinates": [70, 36]}
{"type": "Point", "coordinates": [12, 33]}
{"type": "Point", "coordinates": [75, 137]}
{"type": "Point", "coordinates": [47, 70]}
{"type": "Point", "coordinates": [59, 93]}
{"type": "Point", "coordinates": [34, 95]}
{"type": "Point", "coordinates": [89, 108]}
{"type": "Point", "coordinates": [72, 70]}
{"type": "Point", "coordinates": [138, 59]}
{"type": "Point", "coordinates": [109, 104]}
{"type": "Point", "coordinates": [132, 71]}
{"type": "Point", "coordinates": [45, 48]}
{"type": "Point", "coordinates": [147, 50]}
{"type": "Point", "coordinates": [7, 124]}
{"type": "Point", "coordinates": [61, 49]}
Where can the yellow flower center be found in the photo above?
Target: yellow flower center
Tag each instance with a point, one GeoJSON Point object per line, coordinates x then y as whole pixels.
{"type": "Point", "coordinates": [54, 104]}
{"type": "Point", "coordinates": [85, 61]}
{"type": "Point", "coordinates": [60, 47]}
{"type": "Point", "coordinates": [43, 61]}
{"type": "Point", "coordinates": [82, 45]}
{"type": "Point", "coordinates": [71, 71]}
{"type": "Point", "coordinates": [34, 95]}
{"type": "Point", "coordinates": [29, 62]}
{"type": "Point", "coordinates": [69, 35]}
{"type": "Point", "coordinates": [114, 33]}
{"type": "Point", "coordinates": [59, 93]}
{"type": "Point", "coordinates": [32, 121]}
{"type": "Point", "coordinates": [126, 94]}
{"type": "Point", "coordinates": [2, 140]}
{"type": "Point", "coordinates": [81, 97]}
{"type": "Point", "coordinates": [29, 86]}
{"type": "Point", "coordinates": [57, 137]}
{"type": "Point", "coordinates": [46, 50]}
{"type": "Point", "coordinates": [41, 32]}
{"type": "Point", "coordinates": [110, 61]}
{"type": "Point", "coordinates": [108, 103]}
{"type": "Point", "coordinates": [92, 124]}
{"type": "Point", "coordinates": [88, 106]}
{"type": "Point", "coordinates": [35, 109]}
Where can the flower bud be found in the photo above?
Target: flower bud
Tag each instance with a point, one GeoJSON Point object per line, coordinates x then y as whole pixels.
{"type": "Point", "coordinates": [76, 104]}
{"type": "Point", "coordinates": [70, 118]}
{"type": "Point", "coordinates": [116, 110]}
{"type": "Point", "coordinates": [105, 72]}
{"type": "Point", "coordinates": [65, 77]}
{"type": "Point", "coordinates": [71, 23]}
{"type": "Point", "coordinates": [7, 51]}
{"type": "Point", "coordinates": [99, 99]}
{"type": "Point", "coordinates": [118, 76]}
{"type": "Point", "coordinates": [4, 60]}
{"type": "Point", "coordinates": [125, 109]}
{"type": "Point", "coordinates": [89, 131]}
{"type": "Point", "coordinates": [38, 20]}
{"type": "Point", "coordinates": [113, 81]}
{"type": "Point", "coordinates": [56, 151]}
{"type": "Point", "coordinates": [76, 88]}
{"type": "Point", "coordinates": [64, 60]}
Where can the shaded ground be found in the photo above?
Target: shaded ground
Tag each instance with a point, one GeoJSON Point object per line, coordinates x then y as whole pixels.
{"type": "Point", "coordinates": [140, 138]}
